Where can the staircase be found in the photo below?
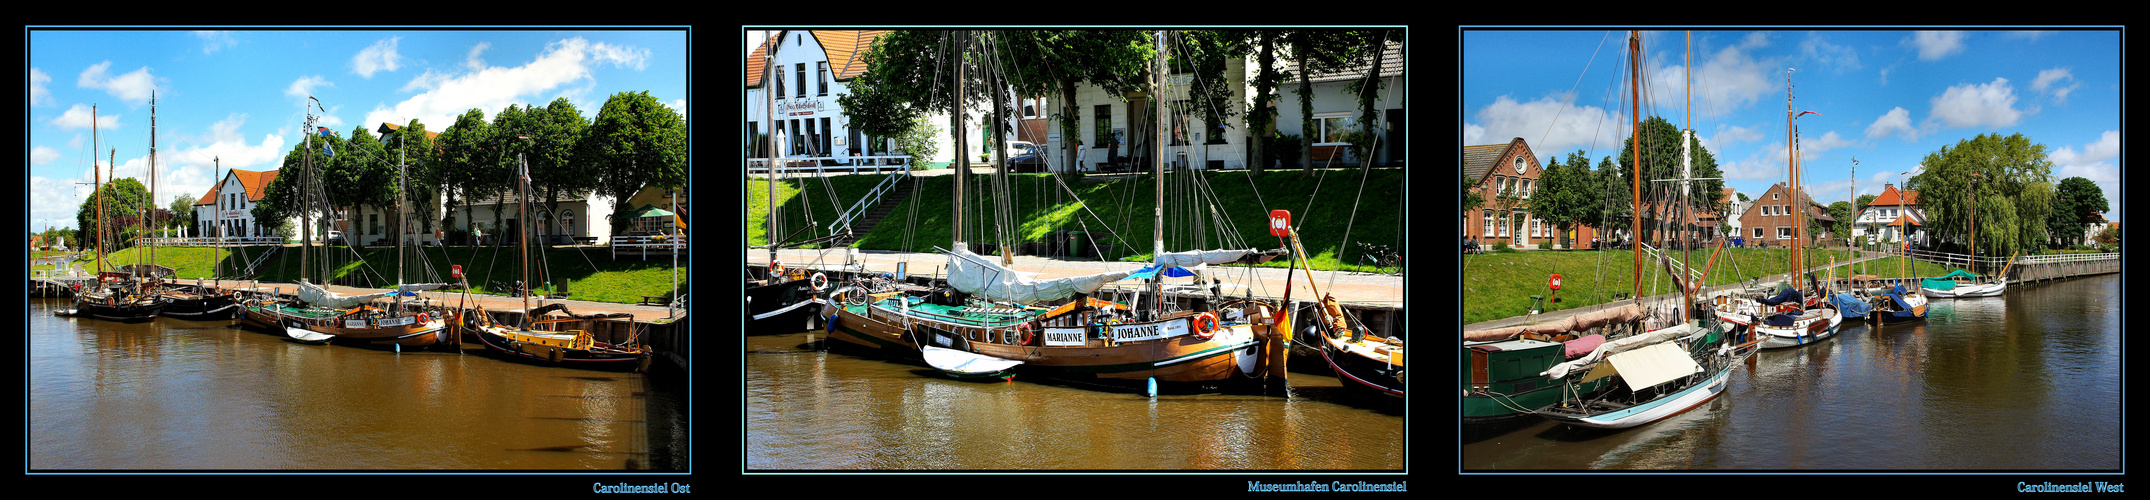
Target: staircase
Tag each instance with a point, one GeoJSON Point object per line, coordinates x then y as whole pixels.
{"type": "Point", "coordinates": [889, 202]}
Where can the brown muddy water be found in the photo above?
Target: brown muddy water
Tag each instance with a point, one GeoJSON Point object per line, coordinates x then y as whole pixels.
{"type": "Point", "coordinates": [2027, 381]}
{"type": "Point", "coordinates": [193, 395]}
{"type": "Point", "coordinates": [809, 408]}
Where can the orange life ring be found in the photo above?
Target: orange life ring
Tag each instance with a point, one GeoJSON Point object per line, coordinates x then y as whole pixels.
{"type": "Point", "coordinates": [776, 271]}
{"type": "Point", "coordinates": [819, 281]}
{"type": "Point", "coordinates": [423, 319]}
{"type": "Point", "coordinates": [1024, 329]}
{"type": "Point", "coordinates": [1205, 325]}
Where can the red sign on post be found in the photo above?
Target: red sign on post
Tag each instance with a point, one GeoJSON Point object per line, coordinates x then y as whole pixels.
{"type": "Point", "coordinates": [1279, 223]}
{"type": "Point", "coordinates": [1556, 282]}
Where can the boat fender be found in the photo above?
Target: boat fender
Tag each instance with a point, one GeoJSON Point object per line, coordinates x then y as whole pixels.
{"type": "Point", "coordinates": [1024, 329]}
{"type": "Point", "coordinates": [820, 281]}
{"type": "Point", "coordinates": [1205, 325]}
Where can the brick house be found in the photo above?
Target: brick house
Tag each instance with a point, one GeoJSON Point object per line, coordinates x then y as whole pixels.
{"type": "Point", "coordinates": [1769, 222]}
{"type": "Point", "coordinates": [1507, 166]}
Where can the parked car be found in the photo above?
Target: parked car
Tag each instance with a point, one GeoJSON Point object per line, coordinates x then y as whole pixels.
{"type": "Point", "coordinates": [335, 237]}
{"type": "Point", "coordinates": [1024, 157]}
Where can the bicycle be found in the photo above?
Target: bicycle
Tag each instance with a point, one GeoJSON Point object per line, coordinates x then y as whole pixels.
{"type": "Point", "coordinates": [858, 290]}
{"type": "Point", "coordinates": [1381, 257]}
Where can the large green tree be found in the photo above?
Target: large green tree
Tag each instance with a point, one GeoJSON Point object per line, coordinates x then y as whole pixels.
{"type": "Point", "coordinates": [556, 134]}
{"type": "Point", "coordinates": [2007, 180]}
{"type": "Point", "coordinates": [467, 170]}
{"type": "Point", "coordinates": [635, 142]}
{"type": "Point", "coordinates": [125, 200]}
{"type": "Point", "coordinates": [2077, 202]}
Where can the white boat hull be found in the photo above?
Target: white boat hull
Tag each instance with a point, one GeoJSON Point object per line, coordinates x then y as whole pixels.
{"type": "Point", "coordinates": [1802, 331]}
{"type": "Point", "coordinates": [1967, 291]}
{"type": "Point", "coordinates": [1659, 409]}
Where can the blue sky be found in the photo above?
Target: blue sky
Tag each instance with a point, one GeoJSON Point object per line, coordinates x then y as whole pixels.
{"type": "Point", "coordinates": [241, 95]}
{"type": "Point", "coordinates": [1888, 98]}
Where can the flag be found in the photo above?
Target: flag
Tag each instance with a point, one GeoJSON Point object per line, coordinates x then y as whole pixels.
{"type": "Point", "coordinates": [324, 130]}
{"type": "Point", "coordinates": [326, 151]}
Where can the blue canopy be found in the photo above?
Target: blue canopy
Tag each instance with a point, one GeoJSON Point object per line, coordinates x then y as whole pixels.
{"type": "Point", "coordinates": [1788, 295]}
{"type": "Point", "coordinates": [1150, 271]}
{"type": "Point", "coordinates": [1851, 306]}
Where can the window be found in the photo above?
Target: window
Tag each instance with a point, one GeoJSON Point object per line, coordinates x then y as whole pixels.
{"type": "Point", "coordinates": [821, 70]}
{"type": "Point", "coordinates": [1489, 224]}
{"type": "Point", "coordinates": [375, 221]}
{"type": "Point", "coordinates": [1331, 126]}
{"type": "Point", "coordinates": [1103, 130]}
{"type": "Point", "coordinates": [1774, 196]}
{"type": "Point", "coordinates": [1526, 188]}
{"type": "Point", "coordinates": [779, 87]}
{"type": "Point", "coordinates": [1758, 233]}
{"type": "Point", "coordinates": [1519, 164]}
{"type": "Point", "coordinates": [825, 133]}
{"type": "Point", "coordinates": [801, 86]}
{"type": "Point", "coordinates": [567, 222]}
{"type": "Point", "coordinates": [1784, 232]}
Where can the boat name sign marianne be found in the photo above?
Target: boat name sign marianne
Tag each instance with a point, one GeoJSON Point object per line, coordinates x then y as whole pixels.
{"type": "Point", "coordinates": [1150, 331]}
{"type": "Point", "coordinates": [1064, 337]}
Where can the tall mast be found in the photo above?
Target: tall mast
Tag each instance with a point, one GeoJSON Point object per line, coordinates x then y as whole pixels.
{"type": "Point", "coordinates": [962, 159]}
{"type": "Point", "coordinates": [98, 183]}
{"type": "Point", "coordinates": [768, 91]}
{"type": "Point", "coordinates": [1157, 158]}
{"type": "Point", "coordinates": [1791, 167]}
{"type": "Point", "coordinates": [1634, 45]}
{"type": "Point", "coordinates": [152, 208]}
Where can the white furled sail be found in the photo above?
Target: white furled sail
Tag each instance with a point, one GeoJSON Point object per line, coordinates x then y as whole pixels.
{"type": "Point", "coordinates": [979, 276]}
{"type": "Point", "coordinates": [316, 295]}
{"type": "Point", "coordinates": [1200, 257]}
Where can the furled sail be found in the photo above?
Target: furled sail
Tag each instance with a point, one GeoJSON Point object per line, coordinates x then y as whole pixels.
{"type": "Point", "coordinates": [980, 276]}
{"type": "Point", "coordinates": [316, 295]}
{"type": "Point", "coordinates": [1201, 257]}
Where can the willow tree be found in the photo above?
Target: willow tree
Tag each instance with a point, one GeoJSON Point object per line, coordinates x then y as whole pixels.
{"type": "Point", "coordinates": [2005, 182]}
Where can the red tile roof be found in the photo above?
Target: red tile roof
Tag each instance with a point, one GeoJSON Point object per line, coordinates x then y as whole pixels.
{"type": "Point", "coordinates": [1889, 195]}
{"type": "Point", "coordinates": [256, 184]}
{"type": "Point", "coordinates": [846, 51]}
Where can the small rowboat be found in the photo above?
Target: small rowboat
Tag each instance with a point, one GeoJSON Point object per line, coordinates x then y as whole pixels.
{"type": "Point", "coordinates": [960, 364]}
{"type": "Point", "coordinates": [305, 336]}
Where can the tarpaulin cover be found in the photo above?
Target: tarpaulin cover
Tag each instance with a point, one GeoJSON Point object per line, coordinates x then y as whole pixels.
{"type": "Point", "coordinates": [1786, 296]}
{"type": "Point", "coordinates": [1850, 305]}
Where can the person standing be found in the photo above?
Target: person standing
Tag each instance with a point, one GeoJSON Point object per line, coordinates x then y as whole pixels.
{"type": "Point", "coordinates": [1082, 156]}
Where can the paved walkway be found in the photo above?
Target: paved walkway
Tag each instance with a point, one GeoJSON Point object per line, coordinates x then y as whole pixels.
{"type": "Point", "coordinates": [1563, 313]}
{"type": "Point", "coordinates": [1362, 289]}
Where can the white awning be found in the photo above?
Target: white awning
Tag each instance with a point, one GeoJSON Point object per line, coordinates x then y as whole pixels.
{"type": "Point", "coordinates": [1653, 365]}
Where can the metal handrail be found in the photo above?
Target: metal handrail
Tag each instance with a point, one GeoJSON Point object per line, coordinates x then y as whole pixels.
{"type": "Point", "coordinates": [871, 199]}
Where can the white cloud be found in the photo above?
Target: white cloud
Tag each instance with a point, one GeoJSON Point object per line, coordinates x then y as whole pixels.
{"type": "Point", "coordinates": [381, 56]}
{"type": "Point", "coordinates": [2107, 147]}
{"type": "Point", "coordinates": [1991, 104]}
{"type": "Point", "coordinates": [226, 143]}
{"type": "Point", "coordinates": [134, 86]}
{"type": "Point", "coordinates": [1577, 127]}
{"type": "Point", "coordinates": [39, 95]}
{"type": "Point", "coordinates": [1728, 135]}
{"type": "Point", "coordinates": [472, 61]}
{"type": "Point", "coordinates": [2046, 78]}
{"type": "Point", "coordinates": [491, 89]}
{"type": "Point", "coordinates": [1826, 55]}
{"type": "Point", "coordinates": [42, 155]}
{"type": "Point", "coordinates": [304, 86]}
{"type": "Point", "coordinates": [78, 117]}
{"type": "Point", "coordinates": [679, 106]}
{"type": "Point", "coordinates": [1934, 45]}
{"type": "Point", "coordinates": [213, 41]}
{"type": "Point", "coordinates": [1897, 121]}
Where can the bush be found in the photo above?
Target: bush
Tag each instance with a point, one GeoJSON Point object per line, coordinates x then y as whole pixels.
{"type": "Point", "coordinates": [1284, 148]}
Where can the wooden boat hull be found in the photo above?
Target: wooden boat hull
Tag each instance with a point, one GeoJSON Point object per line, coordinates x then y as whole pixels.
{"type": "Point", "coordinates": [277, 317]}
{"type": "Point", "coordinates": [138, 310]}
{"type": "Point", "coordinates": [786, 307]}
{"type": "Point", "coordinates": [201, 307]}
{"type": "Point", "coordinates": [1817, 326]}
{"type": "Point", "coordinates": [571, 349]}
{"type": "Point", "coordinates": [1185, 359]}
{"type": "Point", "coordinates": [1375, 368]}
{"type": "Point", "coordinates": [1894, 314]}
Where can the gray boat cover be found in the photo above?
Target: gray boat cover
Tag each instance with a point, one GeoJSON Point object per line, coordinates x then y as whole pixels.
{"type": "Point", "coordinates": [318, 296]}
{"type": "Point", "coordinates": [1200, 257]}
{"type": "Point", "coordinates": [981, 276]}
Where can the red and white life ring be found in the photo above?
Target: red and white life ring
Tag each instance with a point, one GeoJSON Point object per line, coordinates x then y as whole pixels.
{"type": "Point", "coordinates": [820, 281]}
{"type": "Point", "coordinates": [1025, 330]}
{"type": "Point", "coordinates": [1205, 325]}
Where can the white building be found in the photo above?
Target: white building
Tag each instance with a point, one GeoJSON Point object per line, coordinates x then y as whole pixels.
{"type": "Point", "coordinates": [1892, 216]}
{"type": "Point", "coordinates": [1337, 111]}
{"type": "Point", "coordinates": [229, 205]}
{"type": "Point", "coordinates": [813, 68]}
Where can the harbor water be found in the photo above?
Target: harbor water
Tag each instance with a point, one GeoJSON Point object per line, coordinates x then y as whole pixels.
{"type": "Point", "coordinates": [2026, 381]}
{"type": "Point", "coordinates": [810, 408]}
{"type": "Point", "coordinates": [191, 395]}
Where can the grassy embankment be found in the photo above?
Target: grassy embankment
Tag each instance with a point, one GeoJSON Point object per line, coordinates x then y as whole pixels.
{"type": "Point", "coordinates": [1122, 208]}
{"type": "Point", "coordinates": [1499, 285]}
{"type": "Point", "coordinates": [590, 273]}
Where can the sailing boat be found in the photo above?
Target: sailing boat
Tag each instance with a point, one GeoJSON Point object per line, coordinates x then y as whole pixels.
{"type": "Point", "coordinates": [1785, 320]}
{"type": "Point", "coordinates": [1664, 371]}
{"type": "Point", "coordinates": [353, 317]}
{"type": "Point", "coordinates": [577, 348]}
{"type": "Point", "coordinates": [117, 296]}
{"type": "Point", "coordinates": [781, 302]}
{"type": "Point", "coordinates": [204, 303]}
{"type": "Point", "coordinates": [1085, 340]}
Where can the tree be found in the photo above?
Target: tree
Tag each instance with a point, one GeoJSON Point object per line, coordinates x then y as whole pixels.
{"type": "Point", "coordinates": [464, 149]}
{"type": "Point", "coordinates": [124, 201]}
{"type": "Point", "coordinates": [1661, 160]}
{"type": "Point", "coordinates": [558, 130]}
{"type": "Point", "coordinates": [635, 142]}
{"type": "Point", "coordinates": [1262, 111]}
{"type": "Point", "coordinates": [1319, 51]}
{"type": "Point", "coordinates": [1367, 89]}
{"type": "Point", "coordinates": [2077, 202]}
{"type": "Point", "coordinates": [420, 177]}
{"type": "Point", "coordinates": [182, 212]}
{"type": "Point", "coordinates": [1568, 194]}
{"type": "Point", "coordinates": [2007, 180]}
